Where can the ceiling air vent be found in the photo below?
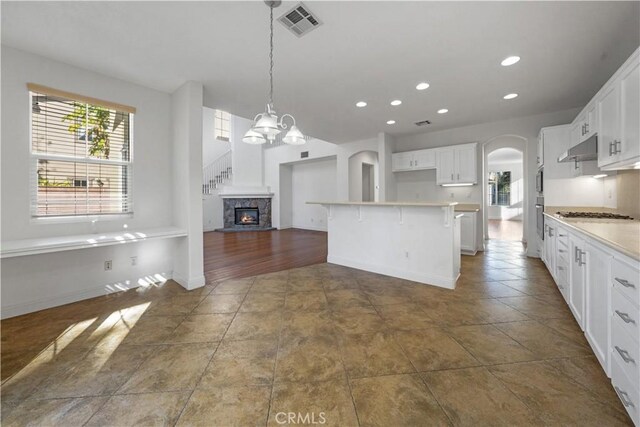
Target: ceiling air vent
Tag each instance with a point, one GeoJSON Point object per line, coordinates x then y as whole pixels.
{"type": "Point", "coordinates": [300, 20]}
{"type": "Point", "coordinates": [423, 123]}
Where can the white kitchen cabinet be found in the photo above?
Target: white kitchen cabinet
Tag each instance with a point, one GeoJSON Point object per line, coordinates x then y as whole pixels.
{"type": "Point", "coordinates": [609, 113]}
{"type": "Point", "coordinates": [550, 246]}
{"type": "Point", "coordinates": [468, 222]}
{"type": "Point", "coordinates": [585, 168]}
{"type": "Point", "coordinates": [413, 160]}
{"type": "Point", "coordinates": [577, 275]}
{"type": "Point", "coordinates": [629, 150]}
{"type": "Point", "coordinates": [597, 293]}
{"type": "Point", "coordinates": [457, 164]}
{"type": "Point", "coordinates": [576, 129]}
{"type": "Point", "coordinates": [557, 140]}
{"type": "Point", "coordinates": [540, 152]}
{"type": "Point", "coordinates": [618, 117]}
{"type": "Point", "coordinates": [446, 166]}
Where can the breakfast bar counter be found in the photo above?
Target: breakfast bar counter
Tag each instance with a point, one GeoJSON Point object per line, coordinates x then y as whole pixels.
{"type": "Point", "coordinates": [413, 241]}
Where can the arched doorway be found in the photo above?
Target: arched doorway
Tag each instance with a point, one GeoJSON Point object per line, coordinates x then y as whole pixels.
{"type": "Point", "coordinates": [505, 188]}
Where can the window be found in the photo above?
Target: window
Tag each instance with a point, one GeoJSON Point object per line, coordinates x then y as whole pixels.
{"type": "Point", "coordinates": [221, 127]}
{"type": "Point", "coordinates": [499, 190]}
{"type": "Point", "coordinates": [81, 155]}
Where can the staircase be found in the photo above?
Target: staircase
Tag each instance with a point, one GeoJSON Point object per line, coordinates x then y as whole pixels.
{"type": "Point", "coordinates": [216, 173]}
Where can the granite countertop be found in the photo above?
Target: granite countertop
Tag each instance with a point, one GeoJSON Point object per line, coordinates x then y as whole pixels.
{"type": "Point", "coordinates": [467, 207]}
{"type": "Point", "coordinates": [620, 235]}
{"type": "Point", "coordinates": [408, 204]}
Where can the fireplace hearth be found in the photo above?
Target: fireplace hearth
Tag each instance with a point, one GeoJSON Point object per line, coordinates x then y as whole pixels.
{"type": "Point", "coordinates": [247, 216]}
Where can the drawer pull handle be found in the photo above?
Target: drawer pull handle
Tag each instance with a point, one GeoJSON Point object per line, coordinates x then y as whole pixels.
{"type": "Point", "coordinates": [625, 317]}
{"type": "Point", "coordinates": [560, 268]}
{"type": "Point", "coordinates": [625, 355]}
{"type": "Point", "coordinates": [562, 235]}
{"type": "Point", "coordinates": [625, 283]}
{"type": "Point", "coordinates": [624, 397]}
{"type": "Point", "coordinates": [561, 251]}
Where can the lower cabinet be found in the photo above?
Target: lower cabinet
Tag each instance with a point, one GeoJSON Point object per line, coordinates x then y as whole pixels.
{"type": "Point", "coordinates": [577, 275]}
{"type": "Point", "coordinates": [597, 292]}
{"type": "Point", "coordinates": [602, 288]}
{"type": "Point", "coordinates": [468, 233]}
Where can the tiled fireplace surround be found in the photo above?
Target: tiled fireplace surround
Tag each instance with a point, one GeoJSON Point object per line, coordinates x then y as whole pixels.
{"type": "Point", "coordinates": [229, 207]}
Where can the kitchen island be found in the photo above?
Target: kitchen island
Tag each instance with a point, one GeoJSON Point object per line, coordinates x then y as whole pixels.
{"type": "Point", "coordinates": [412, 241]}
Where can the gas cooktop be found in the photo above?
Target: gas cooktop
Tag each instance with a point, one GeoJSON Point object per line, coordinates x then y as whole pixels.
{"type": "Point", "coordinates": [594, 215]}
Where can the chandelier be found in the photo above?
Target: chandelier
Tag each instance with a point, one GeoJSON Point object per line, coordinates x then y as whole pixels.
{"type": "Point", "coordinates": [267, 125]}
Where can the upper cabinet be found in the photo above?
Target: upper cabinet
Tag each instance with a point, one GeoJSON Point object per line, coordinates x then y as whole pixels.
{"type": "Point", "coordinates": [413, 160]}
{"type": "Point", "coordinates": [457, 164]}
{"type": "Point", "coordinates": [614, 115]}
{"type": "Point", "coordinates": [540, 153]}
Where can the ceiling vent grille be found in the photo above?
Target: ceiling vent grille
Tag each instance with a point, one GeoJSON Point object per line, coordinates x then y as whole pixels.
{"type": "Point", "coordinates": [423, 123]}
{"type": "Point", "coordinates": [300, 20]}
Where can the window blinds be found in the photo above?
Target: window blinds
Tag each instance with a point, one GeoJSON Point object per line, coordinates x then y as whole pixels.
{"type": "Point", "coordinates": [81, 155]}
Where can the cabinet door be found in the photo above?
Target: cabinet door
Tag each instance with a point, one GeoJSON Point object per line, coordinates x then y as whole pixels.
{"type": "Point", "coordinates": [591, 121]}
{"type": "Point", "coordinates": [468, 232]}
{"type": "Point", "coordinates": [424, 159]}
{"type": "Point", "coordinates": [576, 133]}
{"type": "Point", "coordinates": [630, 113]}
{"type": "Point", "coordinates": [609, 113]}
{"type": "Point", "coordinates": [540, 156]}
{"type": "Point", "coordinates": [401, 161]}
{"type": "Point", "coordinates": [466, 164]}
{"type": "Point", "coordinates": [445, 159]}
{"type": "Point", "coordinates": [576, 279]}
{"type": "Point", "coordinates": [597, 302]}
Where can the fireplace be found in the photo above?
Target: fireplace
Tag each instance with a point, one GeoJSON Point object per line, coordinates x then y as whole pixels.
{"type": "Point", "coordinates": [247, 216]}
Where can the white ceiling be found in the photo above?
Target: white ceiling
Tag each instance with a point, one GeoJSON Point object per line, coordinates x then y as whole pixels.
{"type": "Point", "coordinates": [504, 155]}
{"type": "Point", "coordinates": [372, 51]}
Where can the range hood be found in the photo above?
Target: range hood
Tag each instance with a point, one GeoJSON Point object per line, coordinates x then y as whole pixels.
{"type": "Point", "coordinates": [585, 151]}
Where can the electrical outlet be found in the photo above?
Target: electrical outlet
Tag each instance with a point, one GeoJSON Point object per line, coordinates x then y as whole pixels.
{"type": "Point", "coordinates": [134, 260]}
{"type": "Point", "coordinates": [406, 254]}
{"type": "Point", "coordinates": [108, 265]}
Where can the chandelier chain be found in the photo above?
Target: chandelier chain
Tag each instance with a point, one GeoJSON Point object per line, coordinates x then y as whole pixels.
{"type": "Point", "coordinates": [271, 57]}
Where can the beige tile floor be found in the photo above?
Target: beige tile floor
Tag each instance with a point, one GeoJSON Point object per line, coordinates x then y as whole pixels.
{"type": "Point", "coordinates": [329, 343]}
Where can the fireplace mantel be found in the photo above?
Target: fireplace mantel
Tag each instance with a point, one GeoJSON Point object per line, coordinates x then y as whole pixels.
{"type": "Point", "coordinates": [228, 192]}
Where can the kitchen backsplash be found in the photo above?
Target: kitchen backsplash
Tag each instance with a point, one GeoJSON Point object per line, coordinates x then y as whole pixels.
{"type": "Point", "coordinates": [628, 189]}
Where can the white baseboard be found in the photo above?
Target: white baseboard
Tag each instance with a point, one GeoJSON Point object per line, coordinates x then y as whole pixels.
{"type": "Point", "coordinates": [415, 276]}
{"type": "Point", "coordinates": [189, 284]}
{"type": "Point", "coordinates": [68, 298]}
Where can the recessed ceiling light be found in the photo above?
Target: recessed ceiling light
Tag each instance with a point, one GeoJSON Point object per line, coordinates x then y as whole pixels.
{"type": "Point", "coordinates": [422, 86]}
{"type": "Point", "coordinates": [510, 61]}
{"type": "Point", "coordinates": [442, 111]}
{"type": "Point", "coordinates": [510, 96]}
{"type": "Point", "coordinates": [391, 122]}
{"type": "Point", "coordinates": [361, 104]}
{"type": "Point", "coordinates": [396, 102]}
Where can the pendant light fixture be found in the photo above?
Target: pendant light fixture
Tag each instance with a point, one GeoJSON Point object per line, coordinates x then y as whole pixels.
{"type": "Point", "coordinates": [267, 125]}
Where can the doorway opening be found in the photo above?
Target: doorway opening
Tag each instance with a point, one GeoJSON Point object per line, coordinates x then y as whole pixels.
{"type": "Point", "coordinates": [368, 186]}
{"type": "Point", "coordinates": [505, 194]}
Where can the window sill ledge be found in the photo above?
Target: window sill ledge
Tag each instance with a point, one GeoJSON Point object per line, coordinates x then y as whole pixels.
{"type": "Point", "coordinates": [16, 248]}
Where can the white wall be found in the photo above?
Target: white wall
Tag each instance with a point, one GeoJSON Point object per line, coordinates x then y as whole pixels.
{"type": "Point", "coordinates": [287, 155]}
{"type": "Point", "coordinates": [212, 148]}
{"type": "Point", "coordinates": [247, 162]}
{"type": "Point", "coordinates": [26, 282]}
{"type": "Point", "coordinates": [312, 181]}
{"type": "Point", "coordinates": [514, 211]}
{"type": "Point", "coordinates": [526, 127]}
{"type": "Point", "coordinates": [355, 174]}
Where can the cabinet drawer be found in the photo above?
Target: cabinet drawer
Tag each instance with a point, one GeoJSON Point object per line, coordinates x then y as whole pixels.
{"type": "Point", "coordinates": [626, 313]}
{"type": "Point", "coordinates": [625, 389]}
{"type": "Point", "coordinates": [625, 278]}
{"type": "Point", "coordinates": [562, 238]}
{"type": "Point", "coordinates": [562, 272]}
{"type": "Point", "coordinates": [625, 350]}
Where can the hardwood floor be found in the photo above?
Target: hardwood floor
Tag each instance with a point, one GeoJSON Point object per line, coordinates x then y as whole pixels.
{"type": "Point", "coordinates": [235, 255]}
